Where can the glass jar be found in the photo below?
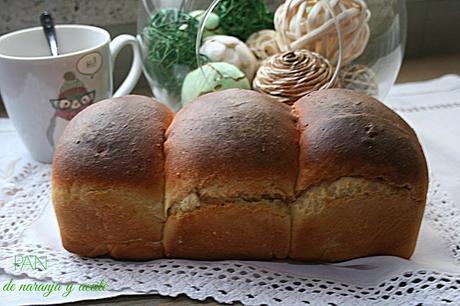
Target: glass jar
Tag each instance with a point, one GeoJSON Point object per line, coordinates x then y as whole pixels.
{"type": "Point", "coordinates": [369, 62]}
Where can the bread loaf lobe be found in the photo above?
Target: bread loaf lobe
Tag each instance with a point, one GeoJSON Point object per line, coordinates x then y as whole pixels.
{"type": "Point", "coordinates": [108, 179]}
{"type": "Point", "coordinates": [362, 179]}
{"type": "Point", "coordinates": [231, 167]}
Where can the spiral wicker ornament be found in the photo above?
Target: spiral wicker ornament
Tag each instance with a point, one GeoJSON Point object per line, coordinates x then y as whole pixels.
{"type": "Point", "coordinates": [263, 44]}
{"type": "Point", "coordinates": [291, 75]}
{"type": "Point", "coordinates": [359, 78]}
{"type": "Point", "coordinates": [308, 24]}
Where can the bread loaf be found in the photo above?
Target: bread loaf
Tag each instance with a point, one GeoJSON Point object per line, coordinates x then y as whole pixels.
{"type": "Point", "coordinates": [237, 175]}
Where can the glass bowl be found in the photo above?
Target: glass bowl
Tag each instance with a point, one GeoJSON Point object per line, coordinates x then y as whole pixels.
{"type": "Point", "coordinates": [368, 62]}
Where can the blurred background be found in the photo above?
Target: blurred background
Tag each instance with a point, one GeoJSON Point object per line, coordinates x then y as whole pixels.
{"type": "Point", "coordinates": [433, 44]}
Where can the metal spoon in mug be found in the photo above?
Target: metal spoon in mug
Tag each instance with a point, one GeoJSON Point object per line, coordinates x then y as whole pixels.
{"type": "Point", "coordinates": [48, 27]}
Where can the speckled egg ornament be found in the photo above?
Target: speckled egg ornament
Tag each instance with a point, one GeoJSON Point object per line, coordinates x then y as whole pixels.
{"type": "Point", "coordinates": [229, 49]}
{"type": "Point", "coordinates": [308, 24]}
{"type": "Point", "coordinates": [212, 77]}
{"type": "Point", "coordinates": [291, 75]}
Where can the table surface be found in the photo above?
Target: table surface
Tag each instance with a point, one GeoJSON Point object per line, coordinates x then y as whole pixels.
{"type": "Point", "coordinates": [412, 70]}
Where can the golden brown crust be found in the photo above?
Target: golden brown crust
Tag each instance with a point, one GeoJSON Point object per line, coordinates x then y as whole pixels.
{"type": "Point", "coordinates": [116, 142]}
{"type": "Point", "coordinates": [242, 231]}
{"type": "Point", "coordinates": [135, 250]}
{"type": "Point", "coordinates": [333, 103]}
{"type": "Point", "coordinates": [348, 134]}
{"type": "Point", "coordinates": [121, 222]}
{"type": "Point", "coordinates": [362, 180]}
{"type": "Point", "coordinates": [354, 217]}
{"type": "Point", "coordinates": [236, 145]}
{"type": "Point", "coordinates": [232, 144]}
{"type": "Point", "coordinates": [336, 177]}
{"type": "Point", "coordinates": [108, 179]}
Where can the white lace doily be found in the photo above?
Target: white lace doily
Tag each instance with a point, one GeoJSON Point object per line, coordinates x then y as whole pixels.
{"type": "Point", "coordinates": [225, 281]}
{"type": "Point", "coordinates": [432, 277]}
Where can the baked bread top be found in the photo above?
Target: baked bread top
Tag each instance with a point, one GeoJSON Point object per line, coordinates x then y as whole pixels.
{"type": "Point", "coordinates": [233, 144]}
{"type": "Point", "coordinates": [344, 133]}
{"type": "Point", "coordinates": [115, 142]}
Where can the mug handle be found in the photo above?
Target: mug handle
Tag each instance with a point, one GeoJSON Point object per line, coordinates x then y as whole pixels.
{"type": "Point", "coordinates": [136, 68]}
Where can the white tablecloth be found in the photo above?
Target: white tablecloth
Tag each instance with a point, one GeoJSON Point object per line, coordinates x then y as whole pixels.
{"type": "Point", "coordinates": [13, 155]}
{"type": "Point", "coordinates": [432, 108]}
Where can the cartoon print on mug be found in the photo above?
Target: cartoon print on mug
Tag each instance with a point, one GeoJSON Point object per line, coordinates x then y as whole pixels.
{"type": "Point", "coordinates": [73, 97]}
{"type": "Point", "coordinates": [90, 64]}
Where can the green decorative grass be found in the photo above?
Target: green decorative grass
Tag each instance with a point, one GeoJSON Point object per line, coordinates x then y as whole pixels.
{"type": "Point", "coordinates": [170, 38]}
{"type": "Point", "coordinates": [241, 18]}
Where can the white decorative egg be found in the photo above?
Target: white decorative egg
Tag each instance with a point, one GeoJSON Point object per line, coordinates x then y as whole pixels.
{"type": "Point", "coordinates": [229, 49]}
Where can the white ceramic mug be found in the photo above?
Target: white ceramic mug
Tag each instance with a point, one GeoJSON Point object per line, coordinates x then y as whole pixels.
{"type": "Point", "coordinates": [42, 93]}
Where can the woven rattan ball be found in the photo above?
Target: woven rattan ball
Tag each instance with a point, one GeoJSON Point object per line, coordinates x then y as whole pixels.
{"type": "Point", "coordinates": [308, 24]}
{"type": "Point", "coordinates": [263, 44]}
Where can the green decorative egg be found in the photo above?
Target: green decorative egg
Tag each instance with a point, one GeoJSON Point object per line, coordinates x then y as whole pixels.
{"type": "Point", "coordinates": [212, 77]}
{"type": "Point", "coordinates": [212, 24]}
